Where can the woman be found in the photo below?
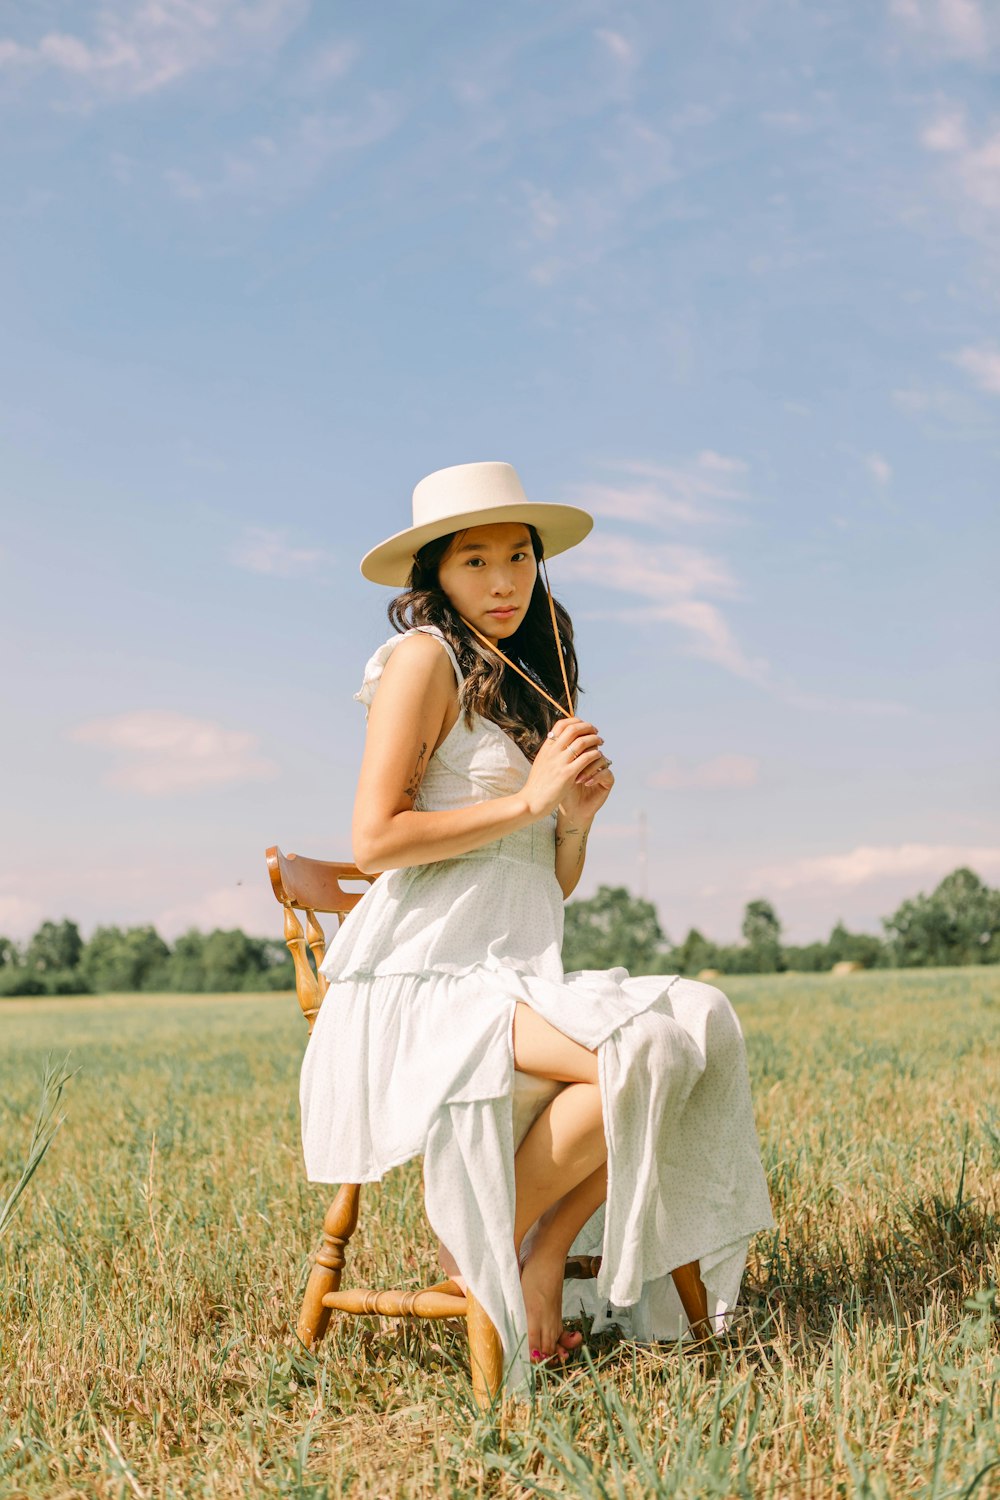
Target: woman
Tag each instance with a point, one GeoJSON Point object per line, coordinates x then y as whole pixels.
{"type": "Point", "coordinates": [450, 1029]}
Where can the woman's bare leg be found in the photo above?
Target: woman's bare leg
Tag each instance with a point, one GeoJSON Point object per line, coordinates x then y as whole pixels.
{"type": "Point", "coordinates": [561, 1178]}
{"type": "Point", "coordinates": [560, 1172]}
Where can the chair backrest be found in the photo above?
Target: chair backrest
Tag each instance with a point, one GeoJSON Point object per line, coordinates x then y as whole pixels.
{"type": "Point", "coordinates": [311, 886]}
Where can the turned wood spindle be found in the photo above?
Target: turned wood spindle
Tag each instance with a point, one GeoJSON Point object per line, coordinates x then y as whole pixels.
{"type": "Point", "coordinates": [339, 1224]}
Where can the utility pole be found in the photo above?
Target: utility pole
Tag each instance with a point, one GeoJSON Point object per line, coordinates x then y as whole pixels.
{"type": "Point", "coordinates": [643, 859]}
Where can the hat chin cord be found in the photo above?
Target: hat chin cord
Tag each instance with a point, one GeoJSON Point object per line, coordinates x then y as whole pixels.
{"type": "Point", "coordinates": [567, 712]}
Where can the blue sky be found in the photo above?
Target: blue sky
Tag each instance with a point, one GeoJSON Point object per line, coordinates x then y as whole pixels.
{"type": "Point", "coordinates": [725, 274]}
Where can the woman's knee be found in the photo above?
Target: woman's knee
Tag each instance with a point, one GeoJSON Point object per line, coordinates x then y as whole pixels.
{"type": "Point", "coordinates": [708, 1009]}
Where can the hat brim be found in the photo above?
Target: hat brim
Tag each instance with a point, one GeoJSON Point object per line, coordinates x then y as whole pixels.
{"type": "Point", "coordinates": [559, 527]}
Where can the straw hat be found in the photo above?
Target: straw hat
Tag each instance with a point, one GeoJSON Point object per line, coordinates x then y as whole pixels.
{"type": "Point", "coordinates": [471, 495]}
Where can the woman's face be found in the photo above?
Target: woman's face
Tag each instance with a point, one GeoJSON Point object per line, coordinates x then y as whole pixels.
{"type": "Point", "coordinates": [488, 574]}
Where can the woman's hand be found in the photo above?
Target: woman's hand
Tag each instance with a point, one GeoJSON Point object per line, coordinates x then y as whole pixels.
{"type": "Point", "coordinates": [570, 769]}
{"type": "Point", "coordinates": [582, 801]}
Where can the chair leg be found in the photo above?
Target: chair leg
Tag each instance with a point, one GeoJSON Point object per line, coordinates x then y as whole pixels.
{"type": "Point", "coordinates": [485, 1354]}
{"type": "Point", "coordinates": [694, 1298]}
{"type": "Point", "coordinates": [339, 1224]}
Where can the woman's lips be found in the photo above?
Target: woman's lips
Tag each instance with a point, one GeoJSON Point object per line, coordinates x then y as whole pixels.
{"type": "Point", "coordinates": [504, 612]}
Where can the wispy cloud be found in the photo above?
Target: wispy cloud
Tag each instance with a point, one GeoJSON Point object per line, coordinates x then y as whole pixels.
{"type": "Point", "coordinates": [280, 166]}
{"type": "Point", "coordinates": [679, 583]}
{"type": "Point", "coordinates": [261, 550]}
{"type": "Point", "coordinates": [880, 467]}
{"type": "Point", "coordinates": [975, 164]}
{"type": "Point", "coordinates": [20, 916]}
{"type": "Point", "coordinates": [140, 48]}
{"type": "Point", "coordinates": [719, 772]}
{"type": "Point", "coordinates": [674, 582]}
{"type": "Point", "coordinates": [250, 906]}
{"type": "Point", "coordinates": [669, 578]}
{"type": "Point", "coordinates": [659, 494]}
{"type": "Point", "coordinates": [959, 28]}
{"type": "Point", "coordinates": [330, 64]}
{"type": "Point", "coordinates": [160, 753]}
{"type": "Point", "coordinates": [870, 862]}
{"type": "Point", "coordinates": [983, 365]}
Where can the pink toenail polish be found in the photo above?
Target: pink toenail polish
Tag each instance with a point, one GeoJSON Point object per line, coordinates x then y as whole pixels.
{"type": "Point", "coordinates": [536, 1353]}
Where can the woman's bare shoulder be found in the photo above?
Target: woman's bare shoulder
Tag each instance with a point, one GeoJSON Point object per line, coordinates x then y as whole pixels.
{"type": "Point", "coordinates": [419, 661]}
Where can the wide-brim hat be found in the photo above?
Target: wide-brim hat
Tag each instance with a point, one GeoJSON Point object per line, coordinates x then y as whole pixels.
{"type": "Point", "coordinates": [471, 495]}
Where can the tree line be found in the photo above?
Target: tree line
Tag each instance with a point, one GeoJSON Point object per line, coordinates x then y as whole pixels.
{"type": "Point", "coordinates": [57, 961]}
{"type": "Point", "coordinates": [958, 923]}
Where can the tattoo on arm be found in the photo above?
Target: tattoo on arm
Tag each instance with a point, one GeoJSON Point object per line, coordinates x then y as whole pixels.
{"type": "Point", "coordinates": [581, 834]}
{"type": "Point", "coordinates": [413, 786]}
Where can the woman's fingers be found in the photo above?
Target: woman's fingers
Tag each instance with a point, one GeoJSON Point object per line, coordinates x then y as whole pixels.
{"type": "Point", "coordinates": [583, 742]}
{"type": "Point", "coordinates": [567, 730]}
{"type": "Point", "coordinates": [587, 763]}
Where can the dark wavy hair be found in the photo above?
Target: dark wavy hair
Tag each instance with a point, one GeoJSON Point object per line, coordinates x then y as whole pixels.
{"type": "Point", "coordinates": [491, 688]}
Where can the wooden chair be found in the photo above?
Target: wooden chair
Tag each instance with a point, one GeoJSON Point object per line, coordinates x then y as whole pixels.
{"type": "Point", "coordinates": [313, 886]}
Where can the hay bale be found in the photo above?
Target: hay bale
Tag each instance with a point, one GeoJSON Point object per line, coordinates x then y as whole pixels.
{"type": "Point", "coordinates": [847, 966]}
{"type": "Point", "coordinates": [709, 974]}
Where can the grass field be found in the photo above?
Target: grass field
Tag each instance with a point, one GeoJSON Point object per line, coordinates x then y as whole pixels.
{"type": "Point", "coordinates": [149, 1285]}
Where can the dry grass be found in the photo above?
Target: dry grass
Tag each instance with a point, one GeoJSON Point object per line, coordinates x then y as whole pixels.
{"type": "Point", "coordinates": [150, 1278]}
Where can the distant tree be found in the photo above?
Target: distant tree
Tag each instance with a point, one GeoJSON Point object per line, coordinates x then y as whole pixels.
{"type": "Point", "coordinates": [277, 971]}
{"type": "Point", "coordinates": [695, 953]}
{"type": "Point", "coordinates": [125, 960]}
{"type": "Point", "coordinates": [234, 961]}
{"type": "Point", "coordinates": [810, 958]}
{"type": "Point", "coordinates": [15, 979]}
{"type": "Point", "coordinates": [10, 954]}
{"type": "Point", "coordinates": [856, 947]}
{"type": "Point", "coordinates": [227, 961]}
{"type": "Point", "coordinates": [186, 968]}
{"type": "Point", "coordinates": [958, 923]}
{"type": "Point", "coordinates": [762, 932]}
{"type": "Point", "coordinates": [56, 945]}
{"type": "Point", "coordinates": [613, 928]}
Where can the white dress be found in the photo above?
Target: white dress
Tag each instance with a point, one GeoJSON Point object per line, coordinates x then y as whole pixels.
{"type": "Point", "coordinates": [412, 1054]}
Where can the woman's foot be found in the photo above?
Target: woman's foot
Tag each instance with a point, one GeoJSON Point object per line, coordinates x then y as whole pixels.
{"type": "Point", "coordinates": [541, 1287]}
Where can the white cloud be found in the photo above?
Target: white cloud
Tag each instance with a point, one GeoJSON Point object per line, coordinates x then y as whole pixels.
{"type": "Point", "coordinates": [261, 550]}
{"type": "Point", "coordinates": [659, 494]}
{"type": "Point", "coordinates": [880, 467]}
{"type": "Point", "coordinates": [983, 365]}
{"type": "Point", "coordinates": [870, 862]}
{"type": "Point", "coordinates": [669, 577]}
{"type": "Point", "coordinates": [618, 46]}
{"type": "Point", "coordinates": [946, 133]}
{"type": "Point", "coordinates": [280, 166]}
{"type": "Point", "coordinates": [331, 63]}
{"type": "Point", "coordinates": [960, 28]}
{"type": "Point", "coordinates": [785, 119]}
{"type": "Point", "coordinates": [708, 775]}
{"type": "Point", "coordinates": [139, 48]}
{"type": "Point", "coordinates": [19, 917]}
{"type": "Point", "coordinates": [251, 907]}
{"type": "Point", "coordinates": [162, 752]}
{"type": "Point", "coordinates": [975, 167]}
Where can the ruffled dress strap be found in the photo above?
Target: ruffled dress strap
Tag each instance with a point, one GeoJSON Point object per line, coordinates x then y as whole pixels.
{"type": "Point", "coordinates": [376, 662]}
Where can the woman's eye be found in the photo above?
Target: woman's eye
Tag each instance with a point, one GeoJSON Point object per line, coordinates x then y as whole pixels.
{"type": "Point", "coordinates": [519, 557]}
{"type": "Point", "coordinates": [474, 562]}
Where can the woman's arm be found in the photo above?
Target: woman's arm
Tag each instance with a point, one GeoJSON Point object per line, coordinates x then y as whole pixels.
{"type": "Point", "coordinates": [416, 694]}
{"type": "Point", "coordinates": [571, 851]}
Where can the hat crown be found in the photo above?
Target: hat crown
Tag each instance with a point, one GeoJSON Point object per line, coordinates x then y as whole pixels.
{"type": "Point", "coordinates": [465, 487]}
